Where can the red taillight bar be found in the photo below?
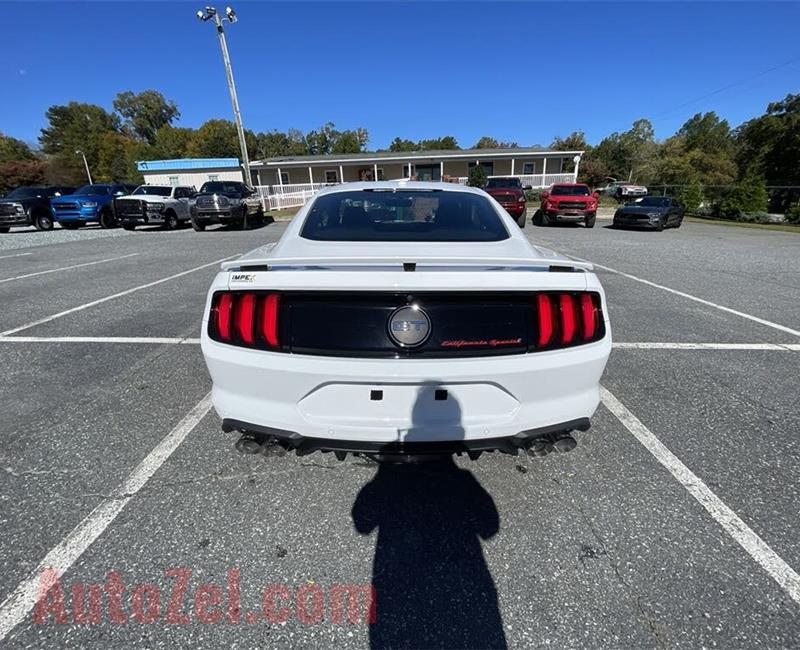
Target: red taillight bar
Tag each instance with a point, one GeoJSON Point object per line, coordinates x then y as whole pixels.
{"type": "Point", "coordinates": [545, 320]}
{"type": "Point", "coordinates": [568, 318]}
{"type": "Point", "coordinates": [567, 306]}
{"type": "Point", "coordinates": [269, 319]}
{"type": "Point", "coordinates": [245, 319]}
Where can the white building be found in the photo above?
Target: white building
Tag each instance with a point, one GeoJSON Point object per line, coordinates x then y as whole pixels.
{"type": "Point", "coordinates": [288, 181]}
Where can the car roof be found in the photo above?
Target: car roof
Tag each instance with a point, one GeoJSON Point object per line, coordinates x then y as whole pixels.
{"type": "Point", "coordinates": [401, 185]}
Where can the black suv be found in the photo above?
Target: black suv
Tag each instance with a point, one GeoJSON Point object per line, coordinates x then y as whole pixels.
{"type": "Point", "coordinates": [29, 206]}
{"type": "Point", "coordinates": [226, 202]}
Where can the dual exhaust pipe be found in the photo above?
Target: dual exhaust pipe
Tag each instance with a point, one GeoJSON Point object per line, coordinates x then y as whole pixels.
{"type": "Point", "coordinates": [256, 443]}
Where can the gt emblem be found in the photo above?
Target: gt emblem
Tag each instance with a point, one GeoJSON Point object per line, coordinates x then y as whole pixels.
{"type": "Point", "coordinates": [409, 326]}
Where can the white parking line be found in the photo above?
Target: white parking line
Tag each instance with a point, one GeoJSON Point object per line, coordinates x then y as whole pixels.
{"type": "Point", "coordinates": [705, 346]}
{"type": "Point", "coordinates": [139, 340]}
{"type": "Point", "coordinates": [47, 319]}
{"type": "Point", "coordinates": [5, 257]}
{"type": "Point", "coordinates": [62, 556]}
{"type": "Point", "coordinates": [702, 301]}
{"type": "Point", "coordinates": [67, 268]}
{"type": "Point", "coordinates": [745, 536]}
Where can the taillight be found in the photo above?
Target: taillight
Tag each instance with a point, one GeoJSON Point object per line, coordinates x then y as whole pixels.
{"type": "Point", "coordinates": [567, 307]}
{"type": "Point", "coordinates": [545, 320]}
{"type": "Point", "coordinates": [245, 318]}
{"type": "Point", "coordinates": [269, 319]}
{"type": "Point", "coordinates": [564, 319]}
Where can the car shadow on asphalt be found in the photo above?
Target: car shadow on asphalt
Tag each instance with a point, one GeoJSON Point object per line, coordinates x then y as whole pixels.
{"type": "Point", "coordinates": [433, 588]}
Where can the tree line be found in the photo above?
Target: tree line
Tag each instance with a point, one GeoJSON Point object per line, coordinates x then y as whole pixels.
{"type": "Point", "coordinates": [705, 151]}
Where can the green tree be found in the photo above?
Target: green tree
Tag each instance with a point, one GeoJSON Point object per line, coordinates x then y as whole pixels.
{"type": "Point", "coordinates": [399, 144]}
{"type": "Point", "coordinates": [76, 126]}
{"type": "Point", "coordinates": [219, 139]}
{"type": "Point", "coordinates": [328, 139]}
{"type": "Point", "coordinates": [117, 157]}
{"type": "Point", "coordinates": [477, 176]}
{"type": "Point", "coordinates": [488, 142]}
{"type": "Point", "coordinates": [277, 143]}
{"type": "Point", "coordinates": [769, 145]}
{"type": "Point", "coordinates": [143, 114]}
{"type": "Point", "coordinates": [575, 141]}
{"type": "Point", "coordinates": [630, 155]}
{"type": "Point", "coordinates": [749, 195]}
{"type": "Point", "coordinates": [444, 143]}
{"type": "Point", "coordinates": [172, 142]}
{"type": "Point", "coordinates": [691, 196]}
{"type": "Point", "coordinates": [13, 149]}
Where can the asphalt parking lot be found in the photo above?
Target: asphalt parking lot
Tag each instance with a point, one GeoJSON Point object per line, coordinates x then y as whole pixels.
{"type": "Point", "coordinates": [673, 523]}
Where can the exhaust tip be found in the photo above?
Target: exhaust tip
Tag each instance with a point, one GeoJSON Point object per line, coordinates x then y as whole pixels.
{"type": "Point", "coordinates": [564, 442]}
{"type": "Point", "coordinates": [249, 443]}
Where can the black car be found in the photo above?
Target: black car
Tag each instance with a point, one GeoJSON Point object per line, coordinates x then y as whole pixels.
{"type": "Point", "coordinates": [226, 202]}
{"type": "Point", "coordinates": [656, 212]}
{"type": "Point", "coordinates": [29, 206]}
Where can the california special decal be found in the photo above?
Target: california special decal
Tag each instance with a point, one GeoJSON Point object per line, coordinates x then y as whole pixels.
{"type": "Point", "coordinates": [248, 278]}
{"type": "Point", "coordinates": [470, 343]}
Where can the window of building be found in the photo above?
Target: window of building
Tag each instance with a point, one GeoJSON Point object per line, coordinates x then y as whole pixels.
{"type": "Point", "coordinates": [173, 180]}
{"type": "Point", "coordinates": [527, 168]}
{"type": "Point", "coordinates": [213, 177]}
{"type": "Point", "coordinates": [284, 178]}
{"type": "Point", "coordinates": [331, 176]}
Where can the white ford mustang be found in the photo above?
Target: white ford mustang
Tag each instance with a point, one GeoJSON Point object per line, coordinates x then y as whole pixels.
{"type": "Point", "coordinates": [402, 320]}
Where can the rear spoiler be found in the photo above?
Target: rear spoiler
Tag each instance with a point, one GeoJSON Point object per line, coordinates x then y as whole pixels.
{"type": "Point", "coordinates": [408, 265]}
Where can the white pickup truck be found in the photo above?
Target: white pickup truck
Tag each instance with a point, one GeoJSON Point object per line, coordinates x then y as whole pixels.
{"type": "Point", "coordinates": [154, 204]}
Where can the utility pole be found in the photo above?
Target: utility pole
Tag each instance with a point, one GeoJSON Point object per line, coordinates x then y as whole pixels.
{"type": "Point", "coordinates": [85, 164]}
{"type": "Point", "coordinates": [210, 13]}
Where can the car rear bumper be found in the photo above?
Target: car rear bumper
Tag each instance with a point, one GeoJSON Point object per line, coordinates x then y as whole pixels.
{"type": "Point", "coordinates": [353, 404]}
{"type": "Point", "coordinates": [514, 209]}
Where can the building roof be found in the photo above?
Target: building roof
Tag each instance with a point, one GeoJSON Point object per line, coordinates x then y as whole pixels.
{"type": "Point", "coordinates": [186, 163]}
{"type": "Point", "coordinates": [402, 156]}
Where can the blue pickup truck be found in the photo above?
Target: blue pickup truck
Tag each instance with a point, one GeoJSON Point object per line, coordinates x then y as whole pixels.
{"type": "Point", "coordinates": [89, 204]}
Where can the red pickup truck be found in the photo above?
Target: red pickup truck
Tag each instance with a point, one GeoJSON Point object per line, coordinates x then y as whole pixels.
{"type": "Point", "coordinates": [510, 193]}
{"type": "Point", "coordinates": [568, 202]}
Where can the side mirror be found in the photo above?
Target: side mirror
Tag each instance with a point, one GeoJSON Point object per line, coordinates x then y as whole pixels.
{"type": "Point", "coordinates": [527, 187]}
{"type": "Point", "coordinates": [596, 194]}
{"type": "Point", "coordinates": [544, 194]}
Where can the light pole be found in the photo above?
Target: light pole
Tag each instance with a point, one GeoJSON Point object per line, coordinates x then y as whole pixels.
{"type": "Point", "coordinates": [210, 13]}
{"type": "Point", "coordinates": [85, 164]}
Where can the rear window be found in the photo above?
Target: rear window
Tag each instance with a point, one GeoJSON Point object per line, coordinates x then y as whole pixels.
{"type": "Point", "coordinates": [403, 215]}
{"type": "Point", "coordinates": [504, 182]}
{"type": "Point", "coordinates": [570, 190]}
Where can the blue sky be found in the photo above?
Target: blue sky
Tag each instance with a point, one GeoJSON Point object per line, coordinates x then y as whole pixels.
{"type": "Point", "coordinates": [521, 71]}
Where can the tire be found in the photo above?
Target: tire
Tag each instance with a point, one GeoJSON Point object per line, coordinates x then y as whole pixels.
{"type": "Point", "coordinates": [129, 226]}
{"type": "Point", "coordinates": [43, 221]}
{"type": "Point", "coordinates": [107, 219]}
{"type": "Point", "coordinates": [198, 226]}
{"type": "Point", "coordinates": [171, 221]}
{"type": "Point", "coordinates": [544, 220]}
{"type": "Point", "coordinates": [521, 219]}
{"type": "Point", "coordinates": [590, 220]}
{"type": "Point", "coordinates": [4, 229]}
{"type": "Point", "coordinates": [244, 222]}
{"type": "Point", "coordinates": [662, 223]}
{"type": "Point", "coordinates": [680, 221]}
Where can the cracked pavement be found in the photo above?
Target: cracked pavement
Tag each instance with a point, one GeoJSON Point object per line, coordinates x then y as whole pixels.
{"type": "Point", "coordinates": [599, 547]}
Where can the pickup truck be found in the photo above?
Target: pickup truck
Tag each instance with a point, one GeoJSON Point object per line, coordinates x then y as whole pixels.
{"type": "Point", "coordinates": [567, 202]}
{"type": "Point", "coordinates": [89, 204]}
{"type": "Point", "coordinates": [226, 202]}
{"type": "Point", "coordinates": [154, 204]}
{"type": "Point", "coordinates": [510, 193]}
{"type": "Point", "coordinates": [29, 206]}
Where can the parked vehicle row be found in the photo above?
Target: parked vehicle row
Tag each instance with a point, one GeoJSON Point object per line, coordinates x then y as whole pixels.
{"type": "Point", "coordinates": [577, 203]}
{"type": "Point", "coordinates": [117, 204]}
